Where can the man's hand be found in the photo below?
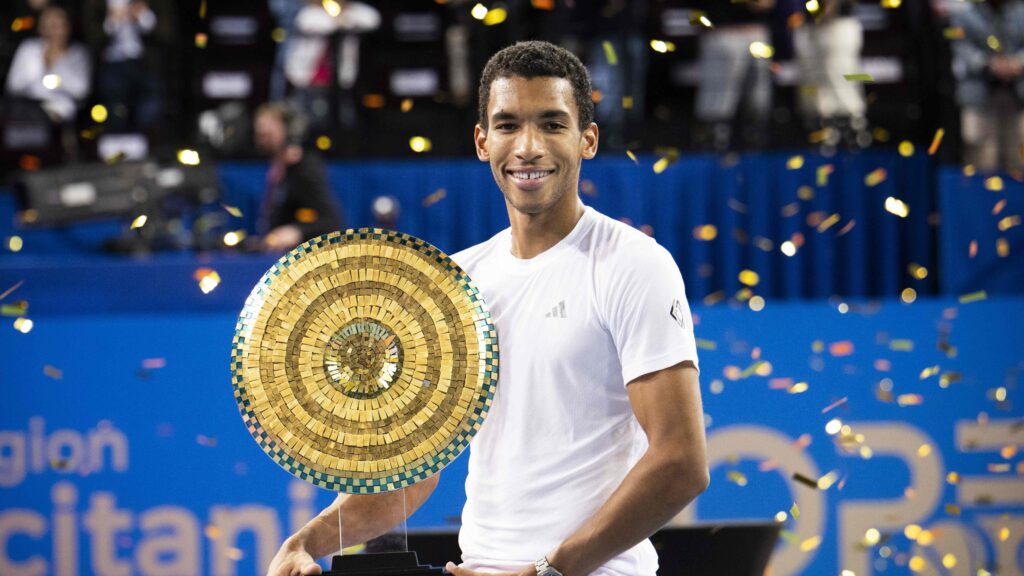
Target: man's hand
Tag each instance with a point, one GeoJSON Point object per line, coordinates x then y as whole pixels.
{"type": "Point", "coordinates": [1006, 68]}
{"type": "Point", "coordinates": [451, 568]}
{"type": "Point", "coordinates": [292, 560]}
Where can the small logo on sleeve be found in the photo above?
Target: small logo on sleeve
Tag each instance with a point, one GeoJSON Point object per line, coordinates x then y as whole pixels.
{"type": "Point", "coordinates": [677, 313]}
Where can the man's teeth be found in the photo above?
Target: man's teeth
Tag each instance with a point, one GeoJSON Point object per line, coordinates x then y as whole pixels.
{"type": "Point", "coordinates": [530, 175]}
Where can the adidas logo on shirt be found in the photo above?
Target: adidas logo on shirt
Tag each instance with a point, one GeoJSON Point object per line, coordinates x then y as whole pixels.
{"type": "Point", "coordinates": [557, 311]}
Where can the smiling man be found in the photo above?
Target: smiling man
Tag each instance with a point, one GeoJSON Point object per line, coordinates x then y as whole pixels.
{"type": "Point", "coordinates": [596, 437]}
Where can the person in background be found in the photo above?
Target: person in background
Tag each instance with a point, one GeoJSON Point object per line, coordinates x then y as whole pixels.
{"type": "Point", "coordinates": [127, 85]}
{"type": "Point", "coordinates": [828, 46]}
{"type": "Point", "coordinates": [297, 204]}
{"type": "Point", "coordinates": [51, 69]}
{"type": "Point", "coordinates": [735, 70]}
{"type": "Point", "coordinates": [988, 51]}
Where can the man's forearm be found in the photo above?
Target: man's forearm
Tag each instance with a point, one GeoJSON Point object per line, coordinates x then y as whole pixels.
{"type": "Point", "coordinates": [653, 492]}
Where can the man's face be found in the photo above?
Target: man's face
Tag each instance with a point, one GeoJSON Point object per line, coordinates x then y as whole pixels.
{"type": "Point", "coordinates": [54, 26]}
{"type": "Point", "coordinates": [270, 133]}
{"type": "Point", "coordinates": [533, 141]}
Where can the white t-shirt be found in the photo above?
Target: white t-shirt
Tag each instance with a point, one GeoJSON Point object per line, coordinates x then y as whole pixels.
{"type": "Point", "coordinates": [575, 325]}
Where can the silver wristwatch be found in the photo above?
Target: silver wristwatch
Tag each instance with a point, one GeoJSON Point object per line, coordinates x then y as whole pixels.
{"type": "Point", "coordinates": [545, 569]}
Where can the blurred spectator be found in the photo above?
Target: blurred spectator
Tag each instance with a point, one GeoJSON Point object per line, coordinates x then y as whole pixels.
{"type": "Point", "coordinates": [50, 69]}
{"type": "Point", "coordinates": [298, 203]}
{"type": "Point", "coordinates": [987, 63]}
{"type": "Point", "coordinates": [828, 46]}
{"type": "Point", "coordinates": [127, 85]}
{"type": "Point", "coordinates": [735, 68]}
{"type": "Point", "coordinates": [311, 60]}
{"type": "Point", "coordinates": [284, 12]}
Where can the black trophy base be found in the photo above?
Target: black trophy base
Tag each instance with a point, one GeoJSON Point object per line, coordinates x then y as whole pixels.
{"type": "Point", "coordinates": [381, 564]}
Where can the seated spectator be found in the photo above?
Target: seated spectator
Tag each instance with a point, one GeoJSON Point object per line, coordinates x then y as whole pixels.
{"type": "Point", "coordinates": [298, 203]}
{"type": "Point", "coordinates": [50, 69]}
{"type": "Point", "coordinates": [987, 64]}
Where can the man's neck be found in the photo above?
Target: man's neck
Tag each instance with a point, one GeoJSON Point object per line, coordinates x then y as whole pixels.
{"type": "Point", "coordinates": [533, 234]}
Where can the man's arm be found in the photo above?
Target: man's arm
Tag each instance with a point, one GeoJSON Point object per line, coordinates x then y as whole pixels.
{"type": "Point", "coordinates": [669, 476]}
{"type": "Point", "coordinates": [363, 517]}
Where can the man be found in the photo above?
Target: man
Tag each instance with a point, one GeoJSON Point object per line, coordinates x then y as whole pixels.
{"type": "Point", "coordinates": [297, 204]}
{"type": "Point", "coordinates": [596, 437]}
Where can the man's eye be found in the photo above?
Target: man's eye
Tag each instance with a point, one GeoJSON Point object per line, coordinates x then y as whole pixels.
{"type": "Point", "coordinates": [555, 126]}
{"type": "Point", "coordinates": [505, 126]}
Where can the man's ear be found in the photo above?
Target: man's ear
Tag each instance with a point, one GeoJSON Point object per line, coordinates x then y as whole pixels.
{"type": "Point", "coordinates": [588, 142]}
{"type": "Point", "coordinates": [480, 141]}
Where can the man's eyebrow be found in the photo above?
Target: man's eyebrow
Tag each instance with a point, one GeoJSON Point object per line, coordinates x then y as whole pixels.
{"type": "Point", "coordinates": [545, 115]}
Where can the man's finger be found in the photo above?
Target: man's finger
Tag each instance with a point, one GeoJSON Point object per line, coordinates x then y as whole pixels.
{"type": "Point", "coordinates": [453, 569]}
{"type": "Point", "coordinates": [311, 569]}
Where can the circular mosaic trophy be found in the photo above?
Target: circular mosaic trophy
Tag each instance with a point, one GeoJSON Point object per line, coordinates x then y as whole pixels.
{"type": "Point", "coordinates": [364, 361]}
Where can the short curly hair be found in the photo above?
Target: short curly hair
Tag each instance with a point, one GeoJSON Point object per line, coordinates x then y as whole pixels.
{"type": "Point", "coordinates": [535, 59]}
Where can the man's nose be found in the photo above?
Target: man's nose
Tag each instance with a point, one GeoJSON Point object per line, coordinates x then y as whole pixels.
{"type": "Point", "coordinates": [529, 144]}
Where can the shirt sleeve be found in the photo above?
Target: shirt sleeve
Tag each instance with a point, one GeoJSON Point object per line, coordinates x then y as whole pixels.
{"type": "Point", "coordinates": [647, 312]}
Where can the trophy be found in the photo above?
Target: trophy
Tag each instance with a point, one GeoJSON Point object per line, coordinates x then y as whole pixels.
{"type": "Point", "coordinates": [363, 362]}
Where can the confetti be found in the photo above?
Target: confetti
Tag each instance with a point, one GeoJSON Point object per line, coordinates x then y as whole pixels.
{"type": "Point", "coordinates": [788, 248]}
{"type": "Point", "coordinates": [936, 141]}
{"type": "Point", "coordinates": [834, 405]}
{"type": "Point", "coordinates": [999, 207]}
{"type": "Point", "coordinates": [204, 440]}
{"type": "Point", "coordinates": [846, 228]}
{"type": "Point", "coordinates": [665, 161]}
{"type": "Point", "coordinates": [1002, 248]}
{"type": "Point", "coordinates": [406, 105]}
{"type": "Point", "coordinates": [823, 173]}
{"type": "Point", "coordinates": [794, 511]}
{"type": "Point", "coordinates": [810, 544]}
{"type": "Point", "coordinates": [706, 344]}
{"type": "Point", "coordinates": [435, 197]}
{"type": "Point", "coordinates": [234, 211]}
{"type": "Point", "coordinates": [1008, 222]}
{"type": "Point", "coordinates": [1004, 534]}
{"type": "Point", "coordinates": [53, 372]}
{"type": "Point", "coordinates": [627, 102]}
{"type": "Point", "coordinates": [896, 207]}
{"type": "Point", "coordinates": [953, 33]}
{"type": "Point", "coordinates": [827, 481]}
{"type": "Point", "coordinates": [736, 477]}
{"type": "Point", "coordinates": [795, 163]}
{"type": "Point", "coordinates": [972, 249]}
{"type": "Point", "coordinates": [706, 232]}
{"type": "Point", "coordinates": [543, 4]}
{"type": "Point", "coordinates": [841, 348]}
{"type": "Point", "coordinates": [139, 222]}
{"type": "Point", "coordinates": [973, 297]}
{"type": "Point", "coordinates": [154, 363]}
{"type": "Point", "coordinates": [19, 308]}
{"type": "Point", "coordinates": [928, 372]}
{"type": "Point", "coordinates": [749, 277]}
{"type": "Point", "coordinates": [373, 101]}
{"type": "Point", "coordinates": [662, 46]}
{"type": "Point", "coordinates": [23, 325]}
{"type": "Point", "coordinates": [805, 193]}
{"type": "Point", "coordinates": [699, 17]}
{"type": "Point", "coordinates": [588, 188]}
{"type": "Point", "coordinates": [609, 53]}
{"type": "Point", "coordinates": [809, 482]}
{"type": "Point", "coordinates": [906, 149]}
{"type": "Point", "coordinates": [909, 400]}
{"type": "Point", "coordinates": [875, 177]}
{"type": "Point", "coordinates": [632, 157]}
{"type": "Point", "coordinates": [827, 223]}
{"type": "Point", "coordinates": [859, 77]}
{"type": "Point", "coordinates": [790, 210]}
{"type": "Point", "coordinates": [994, 184]}
{"type": "Point", "coordinates": [208, 279]}
{"type": "Point", "coordinates": [901, 345]}
{"type": "Point", "coordinates": [420, 144]}
{"type": "Point", "coordinates": [8, 292]}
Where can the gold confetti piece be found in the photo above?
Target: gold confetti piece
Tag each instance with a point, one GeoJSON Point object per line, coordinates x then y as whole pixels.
{"type": "Point", "coordinates": [841, 348]}
{"type": "Point", "coordinates": [788, 248]}
{"type": "Point", "coordinates": [373, 101]}
{"type": "Point", "coordinates": [609, 53]}
{"type": "Point", "coordinates": [909, 400]}
{"type": "Point", "coordinates": [8, 292]}
{"type": "Point", "coordinates": [926, 538]}
{"type": "Point", "coordinates": [714, 298]}
{"type": "Point", "coordinates": [999, 207]}
{"type": "Point", "coordinates": [234, 554]}
{"type": "Point", "coordinates": [761, 50]}
{"type": "Point", "coordinates": [306, 215]}
{"type": "Point", "coordinates": [953, 33]}
{"type": "Point", "coordinates": [906, 148]}
{"type": "Point", "coordinates": [139, 222]}
{"type": "Point", "coordinates": [828, 480]}
{"type": "Point", "coordinates": [897, 207]}
{"type": "Point", "coordinates": [406, 105]}
{"type": "Point", "coordinates": [862, 77]}
{"type": "Point", "coordinates": [875, 177]}
{"type": "Point", "coordinates": [805, 193]}
{"type": "Point", "coordinates": [736, 477]}
{"type": "Point", "coordinates": [1004, 533]}
{"type": "Point", "coordinates": [232, 210]}
{"type": "Point", "coordinates": [201, 40]}
{"type": "Point", "coordinates": [994, 184]}
{"type": "Point", "coordinates": [662, 164]}
{"type": "Point", "coordinates": [795, 163]}
{"type": "Point", "coordinates": [798, 388]}
{"type": "Point", "coordinates": [1008, 222]}
{"type": "Point", "coordinates": [936, 141]}
{"type": "Point", "coordinates": [952, 509]}
{"type": "Point", "coordinates": [828, 223]}
{"type": "Point", "coordinates": [323, 143]}
{"type": "Point", "coordinates": [901, 345]}
{"type": "Point", "coordinates": [912, 531]}
{"type": "Point", "coordinates": [706, 344]}
{"type": "Point", "coordinates": [1008, 451]}
{"type": "Point", "coordinates": [234, 237]}
{"type": "Point", "coordinates": [790, 210]}
{"type": "Point", "coordinates": [788, 536]}
{"type": "Point", "coordinates": [972, 249]}
{"type": "Point", "coordinates": [19, 308]}
{"type": "Point", "coordinates": [794, 511]}
{"type": "Point", "coordinates": [632, 157]}
{"type": "Point", "coordinates": [1002, 248]}
{"type": "Point", "coordinates": [627, 102]}
{"type": "Point", "coordinates": [823, 173]}
{"type": "Point", "coordinates": [924, 450]}
{"type": "Point", "coordinates": [810, 544]}
{"type": "Point", "coordinates": [917, 564]}
{"type": "Point", "coordinates": [202, 10]}
{"type": "Point", "coordinates": [420, 144]}
{"type": "Point", "coordinates": [543, 4]}
{"type": "Point", "coordinates": [752, 369]}
{"type": "Point", "coordinates": [212, 532]}
{"type": "Point", "coordinates": [749, 277]}
{"type": "Point", "coordinates": [928, 372]}
{"type": "Point", "coordinates": [993, 43]}
{"type": "Point", "coordinates": [834, 405]}
{"type": "Point", "coordinates": [872, 536]}
{"type": "Point", "coordinates": [23, 325]}
{"type": "Point", "coordinates": [53, 372]}
{"type": "Point", "coordinates": [834, 426]}
{"type": "Point", "coordinates": [662, 46]}
{"type": "Point", "coordinates": [706, 232]}
{"type": "Point", "coordinates": [973, 297]}
{"type": "Point", "coordinates": [207, 278]}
